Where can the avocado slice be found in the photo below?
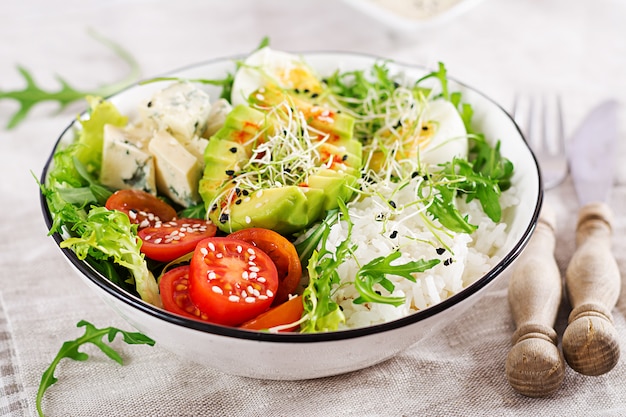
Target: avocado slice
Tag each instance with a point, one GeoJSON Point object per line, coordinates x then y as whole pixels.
{"type": "Point", "coordinates": [282, 209]}
{"type": "Point", "coordinates": [234, 203]}
{"type": "Point", "coordinates": [336, 185]}
{"type": "Point", "coordinates": [222, 160]}
{"type": "Point", "coordinates": [243, 125]}
{"type": "Point", "coordinates": [339, 126]}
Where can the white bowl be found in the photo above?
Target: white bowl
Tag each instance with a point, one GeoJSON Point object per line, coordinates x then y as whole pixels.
{"type": "Point", "coordinates": [287, 356]}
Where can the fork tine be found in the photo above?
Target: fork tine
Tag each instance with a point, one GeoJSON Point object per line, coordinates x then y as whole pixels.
{"type": "Point", "coordinates": [560, 130]}
{"type": "Point", "coordinates": [540, 118]}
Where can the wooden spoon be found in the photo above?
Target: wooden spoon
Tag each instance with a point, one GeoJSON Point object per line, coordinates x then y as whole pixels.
{"type": "Point", "coordinates": [534, 365]}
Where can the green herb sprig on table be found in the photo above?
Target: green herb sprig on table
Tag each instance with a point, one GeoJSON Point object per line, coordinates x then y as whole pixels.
{"type": "Point", "coordinates": [94, 336]}
{"type": "Point", "coordinates": [32, 94]}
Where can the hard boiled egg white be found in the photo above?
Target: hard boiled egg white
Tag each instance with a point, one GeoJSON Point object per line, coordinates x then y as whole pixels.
{"type": "Point", "coordinates": [266, 67]}
{"type": "Point", "coordinates": [449, 138]}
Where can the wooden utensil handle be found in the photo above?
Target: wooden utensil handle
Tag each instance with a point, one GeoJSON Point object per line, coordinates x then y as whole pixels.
{"type": "Point", "coordinates": [593, 283]}
{"type": "Point", "coordinates": [534, 365]}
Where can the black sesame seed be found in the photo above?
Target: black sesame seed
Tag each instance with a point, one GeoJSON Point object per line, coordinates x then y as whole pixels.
{"type": "Point", "coordinates": [392, 203]}
{"type": "Point", "coordinates": [149, 104]}
{"type": "Point", "coordinates": [393, 234]}
{"type": "Point", "coordinates": [224, 218]}
{"type": "Point", "coordinates": [440, 251]}
{"type": "Point", "coordinates": [238, 201]}
{"type": "Point", "coordinates": [306, 91]}
{"type": "Point", "coordinates": [230, 172]}
{"type": "Point", "coordinates": [344, 158]}
{"type": "Point", "coordinates": [214, 207]}
{"type": "Point", "coordinates": [233, 149]}
{"type": "Point", "coordinates": [414, 174]}
{"type": "Point", "coordinates": [424, 128]}
{"type": "Point", "coordinates": [245, 192]}
{"type": "Point", "coordinates": [314, 95]}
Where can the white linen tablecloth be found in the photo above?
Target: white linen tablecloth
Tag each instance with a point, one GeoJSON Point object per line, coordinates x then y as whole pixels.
{"type": "Point", "coordinates": [500, 47]}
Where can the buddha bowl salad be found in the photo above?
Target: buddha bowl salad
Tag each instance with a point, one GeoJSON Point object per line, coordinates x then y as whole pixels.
{"type": "Point", "coordinates": [293, 202]}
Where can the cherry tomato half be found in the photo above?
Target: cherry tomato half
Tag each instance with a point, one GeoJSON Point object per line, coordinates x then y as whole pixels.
{"type": "Point", "coordinates": [231, 281]}
{"type": "Point", "coordinates": [174, 289]}
{"type": "Point", "coordinates": [288, 312]}
{"type": "Point", "coordinates": [170, 240]}
{"type": "Point", "coordinates": [282, 252]}
{"type": "Point", "coordinates": [141, 207]}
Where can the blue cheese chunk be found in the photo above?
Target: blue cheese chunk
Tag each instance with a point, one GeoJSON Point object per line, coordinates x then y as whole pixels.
{"type": "Point", "coordinates": [178, 171]}
{"type": "Point", "coordinates": [217, 116]}
{"type": "Point", "coordinates": [124, 164]}
{"type": "Point", "coordinates": [182, 109]}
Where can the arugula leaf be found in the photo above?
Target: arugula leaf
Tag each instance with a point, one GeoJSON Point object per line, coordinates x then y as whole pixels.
{"type": "Point", "coordinates": [376, 271]}
{"type": "Point", "coordinates": [70, 350]}
{"type": "Point", "coordinates": [324, 314]}
{"type": "Point", "coordinates": [306, 247]}
{"type": "Point", "coordinates": [32, 94]}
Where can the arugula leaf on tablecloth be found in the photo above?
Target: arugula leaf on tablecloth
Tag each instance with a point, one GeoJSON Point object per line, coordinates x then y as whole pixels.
{"type": "Point", "coordinates": [94, 336]}
{"type": "Point", "coordinates": [32, 94]}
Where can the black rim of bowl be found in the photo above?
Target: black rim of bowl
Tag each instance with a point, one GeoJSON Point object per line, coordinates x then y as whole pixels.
{"type": "Point", "coordinates": [120, 294]}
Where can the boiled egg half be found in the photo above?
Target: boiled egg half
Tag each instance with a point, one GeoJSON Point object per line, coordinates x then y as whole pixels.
{"type": "Point", "coordinates": [267, 67]}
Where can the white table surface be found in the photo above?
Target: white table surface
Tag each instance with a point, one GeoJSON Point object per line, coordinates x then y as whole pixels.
{"type": "Point", "coordinates": [501, 47]}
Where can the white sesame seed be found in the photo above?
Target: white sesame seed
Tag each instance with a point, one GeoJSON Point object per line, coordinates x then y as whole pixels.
{"type": "Point", "coordinates": [132, 214]}
{"type": "Point", "coordinates": [239, 249]}
{"type": "Point", "coordinates": [157, 241]}
{"type": "Point", "coordinates": [269, 293]}
{"type": "Point", "coordinates": [217, 289]}
{"type": "Point", "coordinates": [250, 289]}
{"type": "Point", "coordinates": [244, 294]}
{"type": "Point", "coordinates": [260, 279]}
{"type": "Point", "coordinates": [253, 275]}
{"type": "Point", "coordinates": [262, 297]}
{"type": "Point", "coordinates": [255, 269]}
{"type": "Point", "coordinates": [212, 275]}
{"type": "Point", "coordinates": [250, 300]}
{"type": "Point", "coordinates": [251, 251]}
{"type": "Point", "coordinates": [147, 237]}
{"type": "Point", "coordinates": [248, 220]}
{"type": "Point", "coordinates": [244, 275]}
{"type": "Point", "coordinates": [144, 223]}
{"type": "Point", "coordinates": [252, 258]}
{"type": "Point", "coordinates": [219, 255]}
{"type": "Point", "coordinates": [211, 246]}
{"type": "Point", "coordinates": [233, 298]}
{"type": "Point", "coordinates": [204, 252]}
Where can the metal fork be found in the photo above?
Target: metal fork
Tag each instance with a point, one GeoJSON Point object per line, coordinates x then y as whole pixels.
{"type": "Point", "coordinates": [541, 121]}
{"type": "Point", "coordinates": [534, 365]}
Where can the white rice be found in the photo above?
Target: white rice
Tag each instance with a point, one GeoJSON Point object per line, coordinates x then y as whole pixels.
{"type": "Point", "coordinates": [471, 256]}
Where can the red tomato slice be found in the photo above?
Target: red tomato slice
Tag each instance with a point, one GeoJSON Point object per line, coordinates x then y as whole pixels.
{"type": "Point", "coordinates": [168, 241]}
{"type": "Point", "coordinates": [231, 281]}
{"type": "Point", "coordinates": [141, 207]}
{"type": "Point", "coordinates": [282, 252]}
{"type": "Point", "coordinates": [174, 288]}
{"type": "Point", "coordinates": [288, 312]}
